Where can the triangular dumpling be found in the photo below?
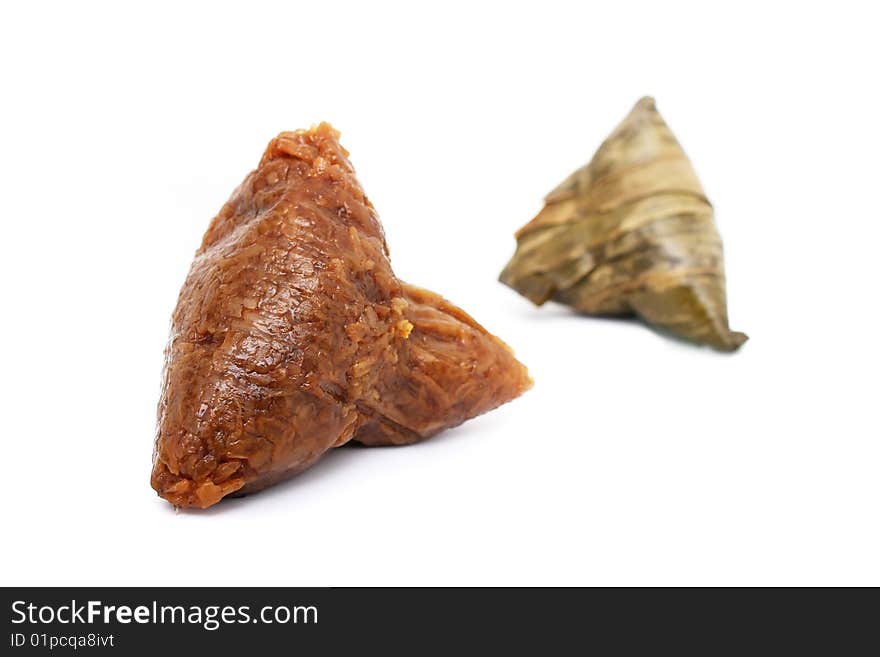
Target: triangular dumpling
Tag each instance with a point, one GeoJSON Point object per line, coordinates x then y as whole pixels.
{"type": "Point", "coordinates": [630, 232]}
{"type": "Point", "coordinates": [292, 335]}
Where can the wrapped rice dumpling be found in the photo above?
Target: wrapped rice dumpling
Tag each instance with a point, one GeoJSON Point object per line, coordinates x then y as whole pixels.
{"type": "Point", "coordinates": [632, 232]}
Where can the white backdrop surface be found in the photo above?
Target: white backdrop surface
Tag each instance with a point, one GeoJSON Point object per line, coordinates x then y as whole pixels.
{"type": "Point", "coordinates": [634, 460]}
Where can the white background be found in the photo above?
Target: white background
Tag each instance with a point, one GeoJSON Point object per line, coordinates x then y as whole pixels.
{"type": "Point", "coordinates": [634, 460]}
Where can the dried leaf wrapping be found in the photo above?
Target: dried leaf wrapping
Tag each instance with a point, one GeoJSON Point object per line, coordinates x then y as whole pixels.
{"type": "Point", "coordinates": [632, 232]}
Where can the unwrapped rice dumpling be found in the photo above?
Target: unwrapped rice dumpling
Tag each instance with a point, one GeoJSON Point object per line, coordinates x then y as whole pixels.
{"type": "Point", "coordinates": [632, 232]}
{"type": "Point", "coordinates": [292, 335]}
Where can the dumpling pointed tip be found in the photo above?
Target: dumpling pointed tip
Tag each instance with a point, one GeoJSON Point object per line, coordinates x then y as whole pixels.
{"type": "Point", "coordinates": [322, 129]}
{"type": "Point", "coordinates": [644, 105]}
{"type": "Point", "coordinates": [736, 339]}
{"type": "Point", "coordinates": [316, 145]}
{"type": "Point", "coordinates": [726, 341]}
